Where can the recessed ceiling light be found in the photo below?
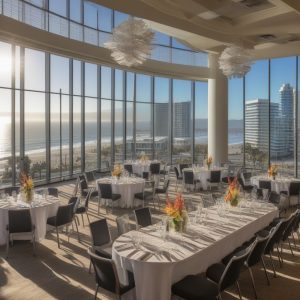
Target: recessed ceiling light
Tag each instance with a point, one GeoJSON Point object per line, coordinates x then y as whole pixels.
{"type": "Point", "coordinates": [208, 15]}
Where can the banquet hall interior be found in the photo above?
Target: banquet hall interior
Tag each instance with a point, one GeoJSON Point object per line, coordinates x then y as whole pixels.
{"type": "Point", "coordinates": [149, 149]}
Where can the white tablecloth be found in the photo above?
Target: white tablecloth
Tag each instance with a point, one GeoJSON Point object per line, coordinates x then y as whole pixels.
{"type": "Point", "coordinates": [278, 185]}
{"type": "Point", "coordinates": [126, 187]}
{"type": "Point", "coordinates": [40, 210]}
{"type": "Point", "coordinates": [159, 264]}
{"type": "Point", "coordinates": [202, 174]}
{"type": "Point", "coordinates": [139, 167]}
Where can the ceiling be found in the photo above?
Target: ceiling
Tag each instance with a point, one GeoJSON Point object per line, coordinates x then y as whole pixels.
{"type": "Point", "coordinates": [270, 27]}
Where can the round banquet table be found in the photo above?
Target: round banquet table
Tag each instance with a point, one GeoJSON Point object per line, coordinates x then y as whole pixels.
{"type": "Point", "coordinates": [139, 166]}
{"type": "Point", "coordinates": [158, 263]}
{"type": "Point", "coordinates": [126, 187]}
{"type": "Point", "coordinates": [41, 209]}
{"type": "Point", "coordinates": [202, 174]}
{"type": "Point", "coordinates": [278, 185]}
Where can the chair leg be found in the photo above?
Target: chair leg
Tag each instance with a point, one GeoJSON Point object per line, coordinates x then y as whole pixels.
{"type": "Point", "coordinates": [219, 296]}
{"type": "Point", "coordinates": [274, 271]}
{"type": "Point", "coordinates": [290, 247]}
{"type": "Point", "coordinates": [239, 290]}
{"type": "Point", "coordinates": [33, 244]}
{"type": "Point", "coordinates": [88, 218]}
{"type": "Point", "coordinates": [279, 257]}
{"type": "Point", "coordinates": [265, 269]}
{"type": "Point", "coordinates": [90, 267]}
{"type": "Point", "coordinates": [99, 200]}
{"type": "Point", "coordinates": [82, 220]}
{"type": "Point", "coordinates": [252, 281]}
{"type": "Point", "coordinates": [57, 236]}
{"type": "Point", "coordinates": [77, 230]}
{"type": "Point", "coordinates": [96, 292]}
{"type": "Point", "coordinates": [7, 244]}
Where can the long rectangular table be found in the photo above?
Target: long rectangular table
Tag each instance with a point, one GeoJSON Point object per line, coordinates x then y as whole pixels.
{"type": "Point", "coordinates": [157, 264]}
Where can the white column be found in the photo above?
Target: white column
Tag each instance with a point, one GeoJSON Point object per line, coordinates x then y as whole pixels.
{"type": "Point", "coordinates": [217, 112]}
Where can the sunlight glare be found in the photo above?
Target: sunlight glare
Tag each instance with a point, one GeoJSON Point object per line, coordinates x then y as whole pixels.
{"type": "Point", "coordinates": [5, 65]}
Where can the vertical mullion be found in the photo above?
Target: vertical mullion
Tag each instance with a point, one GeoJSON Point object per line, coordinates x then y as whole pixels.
{"type": "Point", "coordinates": [152, 117]}
{"type": "Point", "coordinates": [83, 117]}
{"type": "Point", "coordinates": [22, 107]}
{"type": "Point", "coordinates": [171, 119]}
{"type": "Point", "coordinates": [71, 117]}
{"type": "Point", "coordinates": [124, 114]}
{"type": "Point", "coordinates": [244, 115]}
{"type": "Point", "coordinates": [99, 117]}
{"type": "Point", "coordinates": [112, 116]}
{"type": "Point", "coordinates": [269, 99]}
{"type": "Point", "coordinates": [296, 122]}
{"type": "Point", "coordinates": [13, 115]}
{"type": "Point", "coordinates": [47, 111]}
{"type": "Point", "coordinates": [134, 118]}
{"type": "Point", "coordinates": [60, 133]}
{"type": "Point", "coordinates": [193, 120]}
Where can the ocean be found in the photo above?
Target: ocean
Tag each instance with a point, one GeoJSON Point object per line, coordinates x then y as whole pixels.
{"type": "Point", "coordinates": [35, 135]}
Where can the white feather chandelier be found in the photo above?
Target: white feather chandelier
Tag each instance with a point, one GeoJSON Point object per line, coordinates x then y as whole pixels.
{"type": "Point", "coordinates": [235, 61]}
{"type": "Point", "coordinates": [131, 42]}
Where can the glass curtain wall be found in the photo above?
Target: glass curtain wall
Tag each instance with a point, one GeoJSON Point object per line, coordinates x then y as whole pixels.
{"type": "Point", "coordinates": [60, 117]}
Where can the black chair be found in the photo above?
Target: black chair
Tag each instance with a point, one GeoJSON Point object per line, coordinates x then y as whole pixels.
{"type": "Point", "coordinates": [83, 209]}
{"type": "Point", "coordinates": [196, 287]}
{"type": "Point", "coordinates": [227, 275]}
{"type": "Point", "coordinates": [294, 191]}
{"type": "Point", "coordinates": [183, 166]}
{"type": "Point", "coordinates": [106, 275]}
{"type": "Point", "coordinates": [265, 184]}
{"type": "Point", "coordinates": [63, 218]}
{"type": "Point", "coordinates": [19, 221]}
{"type": "Point", "coordinates": [11, 189]}
{"type": "Point", "coordinates": [178, 177]}
{"type": "Point", "coordinates": [128, 168]}
{"type": "Point", "coordinates": [143, 217]}
{"type": "Point", "coordinates": [53, 192]}
{"type": "Point", "coordinates": [162, 191]}
{"type": "Point", "coordinates": [83, 186]}
{"type": "Point", "coordinates": [148, 194]}
{"type": "Point", "coordinates": [226, 179]}
{"type": "Point", "coordinates": [296, 227]}
{"type": "Point", "coordinates": [189, 178]}
{"type": "Point", "coordinates": [105, 192]}
{"type": "Point", "coordinates": [256, 256]}
{"type": "Point", "coordinates": [90, 177]}
{"type": "Point", "coordinates": [246, 187]}
{"type": "Point", "coordinates": [154, 168]}
{"type": "Point", "coordinates": [215, 178]}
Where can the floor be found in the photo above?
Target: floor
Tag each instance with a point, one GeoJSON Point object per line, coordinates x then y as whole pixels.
{"type": "Point", "coordinates": [63, 273]}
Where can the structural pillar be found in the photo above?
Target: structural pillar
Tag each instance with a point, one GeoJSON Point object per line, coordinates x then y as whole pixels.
{"type": "Point", "coordinates": [217, 112]}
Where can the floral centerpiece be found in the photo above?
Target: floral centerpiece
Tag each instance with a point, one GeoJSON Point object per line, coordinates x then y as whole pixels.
{"type": "Point", "coordinates": [118, 169]}
{"type": "Point", "coordinates": [209, 161]}
{"type": "Point", "coordinates": [232, 195]}
{"type": "Point", "coordinates": [273, 170]}
{"type": "Point", "coordinates": [177, 212]}
{"type": "Point", "coordinates": [27, 186]}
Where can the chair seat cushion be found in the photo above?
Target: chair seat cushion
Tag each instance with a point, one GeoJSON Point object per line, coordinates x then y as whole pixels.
{"type": "Point", "coordinates": [81, 210]}
{"type": "Point", "coordinates": [215, 272]}
{"type": "Point", "coordinates": [51, 221]}
{"type": "Point", "coordinates": [103, 252]}
{"type": "Point", "coordinates": [160, 191]}
{"type": "Point", "coordinates": [94, 194]}
{"type": "Point", "coordinates": [115, 197]}
{"type": "Point", "coordinates": [195, 287]}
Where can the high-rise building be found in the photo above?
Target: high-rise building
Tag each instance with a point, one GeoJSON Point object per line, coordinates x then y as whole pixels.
{"type": "Point", "coordinates": [181, 119]}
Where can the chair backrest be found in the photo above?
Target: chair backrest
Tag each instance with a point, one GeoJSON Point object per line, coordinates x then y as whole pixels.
{"type": "Point", "coordinates": [188, 177]}
{"type": "Point", "coordinates": [100, 232]}
{"type": "Point", "coordinates": [265, 184]}
{"type": "Point", "coordinates": [75, 202]}
{"type": "Point", "coordinates": [87, 198]}
{"type": "Point", "coordinates": [105, 272]}
{"type": "Point", "coordinates": [19, 220]}
{"type": "Point", "coordinates": [259, 248]}
{"type": "Point", "coordinates": [289, 228]}
{"type": "Point", "coordinates": [294, 188]}
{"type": "Point", "coordinates": [246, 176]}
{"type": "Point", "coordinates": [143, 216]}
{"type": "Point", "coordinates": [215, 176]}
{"type": "Point", "coordinates": [241, 182]}
{"type": "Point", "coordinates": [233, 268]}
{"type": "Point", "coordinates": [53, 192]}
{"type": "Point", "coordinates": [105, 190]}
{"type": "Point", "coordinates": [154, 168]}
{"type": "Point", "coordinates": [176, 172]}
{"type": "Point", "coordinates": [123, 224]}
{"type": "Point", "coordinates": [89, 176]}
{"type": "Point", "coordinates": [297, 221]}
{"type": "Point", "coordinates": [65, 214]}
{"type": "Point", "coordinates": [183, 166]}
{"type": "Point", "coordinates": [166, 185]}
{"type": "Point", "coordinates": [208, 200]}
{"type": "Point", "coordinates": [128, 168]}
{"type": "Point", "coordinates": [82, 183]}
{"type": "Point", "coordinates": [10, 190]}
{"type": "Point", "coordinates": [145, 175]}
